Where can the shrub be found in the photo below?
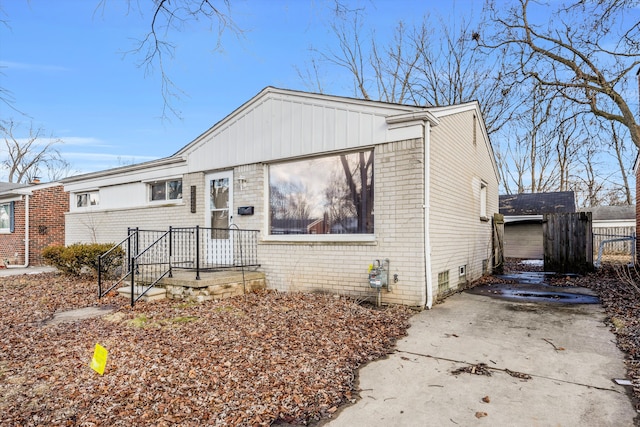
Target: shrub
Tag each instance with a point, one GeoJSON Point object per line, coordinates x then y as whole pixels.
{"type": "Point", "coordinates": [82, 258]}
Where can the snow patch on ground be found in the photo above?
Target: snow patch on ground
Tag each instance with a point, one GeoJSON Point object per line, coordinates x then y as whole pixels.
{"type": "Point", "coordinates": [533, 262]}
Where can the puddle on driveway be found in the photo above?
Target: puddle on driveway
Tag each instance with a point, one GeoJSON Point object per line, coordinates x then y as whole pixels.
{"type": "Point", "coordinates": [530, 287]}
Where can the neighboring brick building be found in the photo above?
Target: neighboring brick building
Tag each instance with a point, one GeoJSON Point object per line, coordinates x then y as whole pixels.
{"type": "Point", "coordinates": [637, 173]}
{"type": "Point", "coordinates": [31, 218]}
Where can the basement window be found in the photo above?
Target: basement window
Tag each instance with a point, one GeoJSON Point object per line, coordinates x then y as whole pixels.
{"type": "Point", "coordinates": [443, 281]}
{"type": "Point", "coordinates": [462, 270]}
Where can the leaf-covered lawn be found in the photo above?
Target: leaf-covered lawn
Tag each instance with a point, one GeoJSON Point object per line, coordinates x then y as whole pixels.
{"type": "Point", "coordinates": [253, 360]}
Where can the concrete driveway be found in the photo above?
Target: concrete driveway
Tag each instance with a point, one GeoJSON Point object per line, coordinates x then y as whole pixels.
{"type": "Point", "coordinates": [28, 270]}
{"type": "Point", "coordinates": [550, 364]}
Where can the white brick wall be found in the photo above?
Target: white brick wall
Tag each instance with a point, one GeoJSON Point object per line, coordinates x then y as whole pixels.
{"type": "Point", "coordinates": [343, 267]}
{"type": "Point", "coordinates": [458, 236]}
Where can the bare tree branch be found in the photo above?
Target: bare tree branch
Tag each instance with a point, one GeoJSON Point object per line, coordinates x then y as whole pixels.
{"type": "Point", "coordinates": [570, 59]}
{"type": "Point", "coordinates": [28, 158]}
{"type": "Point", "coordinates": [168, 16]}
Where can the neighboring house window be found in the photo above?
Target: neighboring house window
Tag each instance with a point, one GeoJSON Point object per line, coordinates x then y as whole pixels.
{"type": "Point", "coordinates": [84, 200]}
{"type": "Point", "coordinates": [322, 195]}
{"type": "Point", "coordinates": [166, 190]}
{"type": "Point", "coordinates": [483, 201]}
{"type": "Point", "coordinates": [6, 217]}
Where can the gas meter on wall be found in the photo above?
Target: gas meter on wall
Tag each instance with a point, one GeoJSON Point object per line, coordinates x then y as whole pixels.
{"type": "Point", "coordinates": [379, 274]}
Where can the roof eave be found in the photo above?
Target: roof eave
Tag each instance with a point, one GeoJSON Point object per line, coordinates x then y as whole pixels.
{"type": "Point", "coordinates": [413, 116]}
{"type": "Point", "coordinates": [125, 169]}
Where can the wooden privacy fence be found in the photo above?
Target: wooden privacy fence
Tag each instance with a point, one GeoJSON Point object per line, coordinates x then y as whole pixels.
{"type": "Point", "coordinates": [498, 243]}
{"type": "Point", "coordinates": [568, 242]}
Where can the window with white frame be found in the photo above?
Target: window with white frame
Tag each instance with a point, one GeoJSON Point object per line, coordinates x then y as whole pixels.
{"type": "Point", "coordinates": [322, 195]}
{"type": "Point", "coordinates": [166, 190]}
{"type": "Point", "coordinates": [6, 217]}
{"type": "Point", "coordinates": [90, 198]}
{"type": "Point", "coordinates": [483, 201]}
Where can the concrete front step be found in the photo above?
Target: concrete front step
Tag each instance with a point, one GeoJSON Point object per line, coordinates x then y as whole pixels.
{"type": "Point", "coordinates": [153, 294]}
{"type": "Point", "coordinates": [211, 286]}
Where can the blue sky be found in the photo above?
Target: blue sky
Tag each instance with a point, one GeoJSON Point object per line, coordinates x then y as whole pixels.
{"type": "Point", "coordinates": [64, 62]}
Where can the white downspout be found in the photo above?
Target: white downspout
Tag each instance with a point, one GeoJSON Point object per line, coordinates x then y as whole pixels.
{"type": "Point", "coordinates": [26, 235]}
{"type": "Point", "coordinates": [427, 212]}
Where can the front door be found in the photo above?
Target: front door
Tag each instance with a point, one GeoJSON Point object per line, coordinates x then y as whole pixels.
{"type": "Point", "coordinates": [219, 216]}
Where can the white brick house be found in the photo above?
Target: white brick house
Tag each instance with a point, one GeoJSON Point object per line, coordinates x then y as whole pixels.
{"type": "Point", "coordinates": [300, 160]}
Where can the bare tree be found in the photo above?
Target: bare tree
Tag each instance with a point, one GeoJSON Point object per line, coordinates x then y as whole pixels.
{"type": "Point", "coordinates": [167, 16]}
{"type": "Point", "coordinates": [616, 161]}
{"type": "Point", "coordinates": [617, 143]}
{"type": "Point", "coordinates": [359, 180]}
{"type": "Point", "coordinates": [429, 64]}
{"type": "Point", "coordinates": [588, 185]}
{"type": "Point", "coordinates": [587, 52]}
{"type": "Point", "coordinates": [529, 161]}
{"type": "Point", "coordinates": [288, 200]}
{"type": "Point", "coordinates": [28, 158]}
{"type": "Point", "coordinates": [567, 147]}
{"type": "Point", "coordinates": [339, 207]}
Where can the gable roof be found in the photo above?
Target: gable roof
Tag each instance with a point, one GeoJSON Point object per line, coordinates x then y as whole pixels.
{"type": "Point", "coordinates": [538, 203]}
{"type": "Point", "coordinates": [310, 108]}
{"type": "Point", "coordinates": [611, 213]}
{"type": "Point", "coordinates": [308, 124]}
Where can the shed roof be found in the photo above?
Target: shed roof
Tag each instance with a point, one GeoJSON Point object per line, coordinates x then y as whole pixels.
{"type": "Point", "coordinates": [537, 203]}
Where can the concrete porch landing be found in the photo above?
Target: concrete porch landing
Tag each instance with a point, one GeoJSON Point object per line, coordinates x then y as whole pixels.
{"type": "Point", "coordinates": [212, 285]}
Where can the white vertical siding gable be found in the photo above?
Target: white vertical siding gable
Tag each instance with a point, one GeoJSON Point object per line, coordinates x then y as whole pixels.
{"type": "Point", "coordinates": [279, 124]}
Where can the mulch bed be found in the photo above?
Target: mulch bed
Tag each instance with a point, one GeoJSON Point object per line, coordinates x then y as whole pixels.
{"type": "Point", "coordinates": [259, 359]}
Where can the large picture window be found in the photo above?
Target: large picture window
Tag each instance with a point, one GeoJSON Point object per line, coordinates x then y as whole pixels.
{"type": "Point", "coordinates": [327, 195]}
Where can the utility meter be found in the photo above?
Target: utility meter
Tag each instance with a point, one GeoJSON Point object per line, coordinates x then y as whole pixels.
{"type": "Point", "coordinates": [378, 274]}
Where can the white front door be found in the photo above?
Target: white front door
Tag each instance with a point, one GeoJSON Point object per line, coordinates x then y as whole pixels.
{"type": "Point", "coordinates": [219, 216]}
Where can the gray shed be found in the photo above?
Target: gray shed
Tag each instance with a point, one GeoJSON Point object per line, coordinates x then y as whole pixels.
{"type": "Point", "coordinates": [523, 215]}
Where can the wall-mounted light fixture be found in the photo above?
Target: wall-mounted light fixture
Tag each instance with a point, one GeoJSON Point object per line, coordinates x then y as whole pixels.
{"type": "Point", "coordinates": [242, 181]}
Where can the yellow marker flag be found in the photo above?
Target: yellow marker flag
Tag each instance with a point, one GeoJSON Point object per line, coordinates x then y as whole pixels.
{"type": "Point", "coordinates": [99, 360]}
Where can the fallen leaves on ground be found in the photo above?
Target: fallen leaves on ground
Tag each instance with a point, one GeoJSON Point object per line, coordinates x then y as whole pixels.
{"type": "Point", "coordinates": [477, 369]}
{"type": "Point", "coordinates": [259, 359]}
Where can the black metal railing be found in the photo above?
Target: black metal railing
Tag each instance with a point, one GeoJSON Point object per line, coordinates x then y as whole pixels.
{"type": "Point", "coordinates": [150, 266]}
{"type": "Point", "coordinates": [150, 255]}
{"type": "Point", "coordinates": [114, 266]}
{"type": "Point", "coordinates": [209, 249]}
